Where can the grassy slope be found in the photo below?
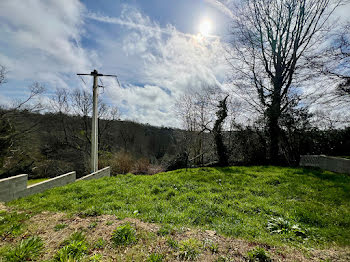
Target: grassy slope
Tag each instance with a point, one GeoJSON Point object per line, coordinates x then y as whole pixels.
{"type": "Point", "coordinates": [35, 181]}
{"type": "Point", "coordinates": [235, 201]}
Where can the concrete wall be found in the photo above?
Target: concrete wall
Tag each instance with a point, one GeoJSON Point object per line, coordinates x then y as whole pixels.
{"type": "Point", "coordinates": [105, 172]}
{"type": "Point", "coordinates": [53, 182]}
{"type": "Point", "coordinates": [15, 187]}
{"type": "Point", "coordinates": [11, 187]}
{"type": "Point", "coordinates": [334, 164]}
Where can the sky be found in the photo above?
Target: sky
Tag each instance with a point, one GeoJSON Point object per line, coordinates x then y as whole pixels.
{"type": "Point", "coordinates": [160, 50]}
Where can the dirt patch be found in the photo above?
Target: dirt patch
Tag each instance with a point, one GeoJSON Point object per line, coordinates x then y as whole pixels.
{"type": "Point", "coordinates": [54, 228]}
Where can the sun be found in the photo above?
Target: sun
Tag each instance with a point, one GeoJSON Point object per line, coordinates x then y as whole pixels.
{"type": "Point", "coordinates": [205, 27]}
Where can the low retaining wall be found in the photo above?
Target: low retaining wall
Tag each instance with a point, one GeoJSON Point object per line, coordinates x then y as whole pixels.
{"type": "Point", "coordinates": [105, 172]}
{"type": "Point", "coordinates": [334, 164]}
{"type": "Point", "coordinates": [15, 187]}
{"type": "Point", "coordinates": [12, 187]}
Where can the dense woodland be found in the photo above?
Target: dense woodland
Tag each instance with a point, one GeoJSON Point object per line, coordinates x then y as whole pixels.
{"type": "Point", "coordinates": [46, 145]}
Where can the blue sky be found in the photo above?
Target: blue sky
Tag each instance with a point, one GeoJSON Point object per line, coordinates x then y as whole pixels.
{"type": "Point", "coordinates": [154, 46]}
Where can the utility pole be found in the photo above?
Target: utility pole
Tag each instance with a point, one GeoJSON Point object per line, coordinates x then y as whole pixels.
{"type": "Point", "coordinates": [94, 128]}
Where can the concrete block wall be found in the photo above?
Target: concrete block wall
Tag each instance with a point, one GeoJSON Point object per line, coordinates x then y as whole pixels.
{"type": "Point", "coordinates": [105, 172]}
{"type": "Point", "coordinates": [11, 187]}
{"type": "Point", "coordinates": [53, 182]}
{"type": "Point", "coordinates": [15, 187]}
{"type": "Point", "coordinates": [334, 164]}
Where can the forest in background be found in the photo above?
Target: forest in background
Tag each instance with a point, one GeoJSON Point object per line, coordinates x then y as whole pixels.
{"type": "Point", "coordinates": [50, 144]}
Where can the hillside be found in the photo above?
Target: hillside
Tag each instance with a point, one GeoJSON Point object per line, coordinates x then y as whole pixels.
{"type": "Point", "coordinates": [280, 209]}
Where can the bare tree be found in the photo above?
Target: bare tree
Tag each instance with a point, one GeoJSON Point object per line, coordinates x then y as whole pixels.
{"type": "Point", "coordinates": [60, 101]}
{"type": "Point", "coordinates": [334, 60]}
{"type": "Point", "coordinates": [3, 73]}
{"type": "Point", "coordinates": [270, 39]}
{"type": "Point", "coordinates": [221, 149]}
{"type": "Point", "coordinates": [12, 157]}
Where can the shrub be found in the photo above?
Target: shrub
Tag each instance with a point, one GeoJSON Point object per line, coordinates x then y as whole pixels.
{"type": "Point", "coordinates": [122, 163]}
{"type": "Point", "coordinates": [155, 169]}
{"type": "Point", "coordinates": [28, 250]}
{"type": "Point", "coordinates": [189, 249]}
{"type": "Point", "coordinates": [124, 235]}
{"type": "Point", "coordinates": [258, 254]}
{"type": "Point", "coordinates": [141, 166]}
{"type": "Point", "coordinates": [155, 257]}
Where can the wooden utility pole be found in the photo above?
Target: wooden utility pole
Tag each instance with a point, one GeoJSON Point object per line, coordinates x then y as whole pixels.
{"type": "Point", "coordinates": [94, 128]}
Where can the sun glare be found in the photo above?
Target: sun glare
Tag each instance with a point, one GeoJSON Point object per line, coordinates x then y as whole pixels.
{"type": "Point", "coordinates": [205, 27]}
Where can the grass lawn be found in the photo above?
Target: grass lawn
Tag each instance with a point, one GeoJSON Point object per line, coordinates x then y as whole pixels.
{"type": "Point", "coordinates": [272, 205]}
{"type": "Point", "coordinates": [35, 181]}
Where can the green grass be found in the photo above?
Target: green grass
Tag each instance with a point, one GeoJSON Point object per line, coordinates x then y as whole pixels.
{"type": "Point", "coordinates": [35, 181]}
{"type": "Point", "coordinates": [309, 207]}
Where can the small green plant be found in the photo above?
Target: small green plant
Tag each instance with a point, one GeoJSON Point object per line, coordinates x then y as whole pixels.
{"type": "Point", "coordinates": [282, 226]}
{"type": "Point", "coordinates": [95, 258]}
{"type": "Point", "coordinates": [59, 227]}
{"type": "Point", "coordinates": [11, 224]}
{"type": "Point", "coordinates": [76, 236]}
{"type": "Point", "coordinates": [279, 225]}
{"type": "Point", "coordinates": [172, 243]}
{"type": "Point", "coordinates": [165, 230]}
{"type": "Point", "coordinates": [92, 225]}
{"type": "Point", "coordinates": [258, 254]}
{"type": "Point", "coordinates": [28, 250]}
{"type": "Point", "coordinates": [156, 190]}
{"type": "Point", "coordinates": [211, 245]}
{"type": "Point", "coordinates": [124, 235]}
{"type": "Point", "coordinates": [221, 259]}
{"type": "Point", "coordinates": [100, 243]}
{"type": "Point", "coordinates": [155, 257]}
{"type": "Point", "coordinates": [109, 223]}
{"type": "Point", "coordinates": [189, 249]}
{"type": "Point", "coordinates": [90, 212]}
{"type": "Point", "coordinates": [74, 251]}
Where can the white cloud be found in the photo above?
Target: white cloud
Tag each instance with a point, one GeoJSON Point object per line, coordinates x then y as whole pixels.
{"type": "Point", "coordinates": [169, 63]}
{"type": "Point", "coordinates": [42, 39]}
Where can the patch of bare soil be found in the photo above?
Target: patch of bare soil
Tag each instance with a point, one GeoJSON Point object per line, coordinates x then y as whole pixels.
{"type": "Point", "coordinates": [99, 230]}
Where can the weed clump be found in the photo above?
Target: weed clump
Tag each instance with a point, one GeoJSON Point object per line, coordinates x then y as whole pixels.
{"type": "Point", "coordinates": [189, 249]}
{"type": "Point", "coordinates": [28, 250]}
{"type": "Point", "coordinates": [211, 246]}
{"type": "Point", "coordinates": [74, 248]}
{"type": "Point", "coordinates": [90, 212]}
{"type": "Point", "coordinates": [59, 227]}
{"type": "Point", "coordinates": [172, 243]}
{"type": "Point", "coordinates": [155, 257]}
{"type": "Point", "coordinates": [100, 243]}
{"type": "Point", "coordinates": [258, 254]}
{"type": "Point", "coordinates": [282, 226]}
{"type": "Point", "coordinates": [95, 258]}
{"type": "Point", "coordinates": [165, 230]}
{"type": "Point", "coordinates": [11, 224]}
{"type": "Point", "coordinates": [124, 235]}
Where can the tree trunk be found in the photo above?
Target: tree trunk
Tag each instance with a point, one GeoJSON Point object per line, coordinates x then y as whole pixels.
{"type": "Point", "coordinates": [217, 131]}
